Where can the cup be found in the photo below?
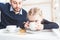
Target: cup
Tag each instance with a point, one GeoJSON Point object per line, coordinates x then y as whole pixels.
{"type": "Point", "coordinates": [11, 28]}
{"type": "Point", "coordinates": [32, 25]}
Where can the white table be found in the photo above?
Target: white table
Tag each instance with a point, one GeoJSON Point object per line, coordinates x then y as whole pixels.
{"type": "Point", "coordinates": [40, 35]}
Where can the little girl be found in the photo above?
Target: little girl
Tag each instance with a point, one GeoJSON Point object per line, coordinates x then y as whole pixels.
{"type": "Point", "coordinates": [35, 16]}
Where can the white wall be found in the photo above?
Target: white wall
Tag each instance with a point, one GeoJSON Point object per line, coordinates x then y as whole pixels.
{"type": "Point", "coordinates": [57, 12]}
{"type": "Point", "coordinates": [2, 1]}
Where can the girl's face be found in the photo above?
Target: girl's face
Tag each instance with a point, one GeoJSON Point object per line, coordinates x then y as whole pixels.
{"type": "Point", "coordinates": [35, 18]}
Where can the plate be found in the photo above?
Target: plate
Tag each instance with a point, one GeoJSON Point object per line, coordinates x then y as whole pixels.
{"type": "Point", "coordinates": [2, 30]}
{"type": "Point", "coordinates": [56, 31]}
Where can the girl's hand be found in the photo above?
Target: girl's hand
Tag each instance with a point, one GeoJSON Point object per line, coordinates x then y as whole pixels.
{"type": "Point", "coordinates": [26, 24]}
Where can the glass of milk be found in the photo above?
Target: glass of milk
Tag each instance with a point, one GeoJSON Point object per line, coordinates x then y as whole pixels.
{"type": "Point", "coordinates": [32, 25]}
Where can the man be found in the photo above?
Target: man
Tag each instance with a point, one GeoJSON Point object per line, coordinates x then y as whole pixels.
{"type": "Point", "coordinates": [12, 14]}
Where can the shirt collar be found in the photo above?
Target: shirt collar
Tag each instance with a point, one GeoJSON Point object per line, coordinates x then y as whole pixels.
{"type": "Point", "coordinates": [11, 9]}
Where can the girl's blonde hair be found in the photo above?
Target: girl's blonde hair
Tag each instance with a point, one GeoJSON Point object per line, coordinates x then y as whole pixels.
{"type": "Point", "coordinates": [34, 11]}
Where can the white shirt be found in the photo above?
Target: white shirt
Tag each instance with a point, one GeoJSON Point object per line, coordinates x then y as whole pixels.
{"type": "Point", "coordinates": [11, 9]}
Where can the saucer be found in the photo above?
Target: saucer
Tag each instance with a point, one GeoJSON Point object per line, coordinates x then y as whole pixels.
{"type": "Point", "coordinates": [2, 30]}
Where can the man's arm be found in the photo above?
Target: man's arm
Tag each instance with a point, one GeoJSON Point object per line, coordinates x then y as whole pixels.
{"type": "Point", "coordinates": [49, 25]}
{"type": "Point", "coordinates": [44, 21]}
{"type": "Point", "coordinates": [1, 6]}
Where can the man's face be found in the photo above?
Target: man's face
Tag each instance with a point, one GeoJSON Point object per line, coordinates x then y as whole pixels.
{"type": "Point", "coordinates": [16, 4]}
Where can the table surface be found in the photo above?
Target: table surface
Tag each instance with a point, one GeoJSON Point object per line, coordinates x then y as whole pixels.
{"type": "Point", "coordinates": [29, 35]}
